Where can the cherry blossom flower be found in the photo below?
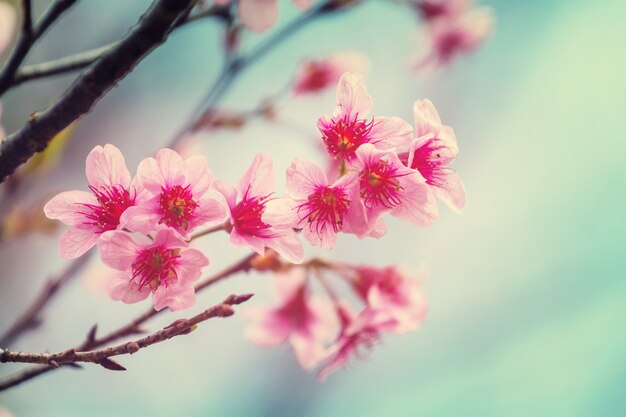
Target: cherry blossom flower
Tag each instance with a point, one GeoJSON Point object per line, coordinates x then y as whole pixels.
{"type": "Point", "coordinates": [349, 127]}
{"type": "Point", "coordinates": [91, 214]}
{"type": "Point", "coordinates": [314, 76]}
{"type": "Point", "coordinates": [3, 411]}
{"type": "Point", "coordinates": [313, 204]}
{"type": "Point", "coordinates": [173, 192]}
{"type": "Point", "coordinates": [387, 185]}
{"type": "Point", "coordinates": [431, 153]}
{"type": "Point", "coordinates": [358, 335]}
{"type": "Point", "coordinates": [392, 293]}
{"type": "Point", "coordinates": [306, 323]}
{"type": "Point", "coordinates": [8, 19]}
{"type": "Point", "coordinates": [435, 9]}
{"type": "Point", "coordinates": [164, 267]}
{"type": "Point", "coordinates": [455, 34]}
{"type": "Point", "coordinates": [247, 202]}
{"type": "Point", "coordinates": [260, 15]}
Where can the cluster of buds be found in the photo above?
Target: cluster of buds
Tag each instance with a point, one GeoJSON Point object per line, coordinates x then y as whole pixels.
{"type": "Point", "coordinates": [143, 225]}
{"type": "Point", "coordinates": [452, 27]}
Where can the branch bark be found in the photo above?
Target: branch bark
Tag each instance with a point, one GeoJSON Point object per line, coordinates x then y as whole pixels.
{"type": "Point", "coordinates": [151, 30]}
{"type": "Point", "coordinates": [103, 356]}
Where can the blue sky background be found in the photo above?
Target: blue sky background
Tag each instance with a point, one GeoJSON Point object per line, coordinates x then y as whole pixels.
{"type": "Point", "coordinates": [526, 288]}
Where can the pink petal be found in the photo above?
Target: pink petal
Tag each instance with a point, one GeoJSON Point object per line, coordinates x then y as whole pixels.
{"type": "Point", "coordinates": [280, 213]}
{"type": "Point", "coordinates": [255, 243]}
{"type": "Point", "coordinates": [67, 205]}
{"type": "Point", "coordinates": [453, 194]}
{"type": "Point", "coordinates": [142, 218]}
{"type": "Point", "coordinates": [193, 259]}
{"type": "Point", "coordinates": [288, 246]}
{"type": "Point", "coordinates": [303, 177]}
{"type": "Point", "coordinates": [198, 174]}
{"type": "Point", "coordinates": [352, 97]}
{"type": "Point", "coordinates": [75, 242]}
{"type": "Point", "coordinates": [394, 132]}
{"type": "Point", "coordinates": [117, 250]}
{"type": "Point", "coordinates": [258, 179]}
{"type": "Point", "coordinates": [326, 238]}
{"type": "Point", "coordinates": [122, 289]}
{"type": "Point", "coordinates": [308, 351]}
{"type": "Point", "coordinates": [426, 117]}
{"type": "Point", "coordinates": [258, 15]}
{"type": "Point", "coordinates": [267, 330]}
{"type": "Point", "coordinates": [418, 203]}
{"type": "Point", "coordinates": [169, 239]}
{"type": "Point", "coordinates": [303, 4]}
{"type": "Point", "coordinates": [208, 213]}
{"type": "Point", "coordinates": [106, 166]}
{"type": "Point", "coordinates": [174, 297]}
{"type": "Point", "coordinates": [172, 166]}
{"type": "Point", "coordinates": [149, 175]}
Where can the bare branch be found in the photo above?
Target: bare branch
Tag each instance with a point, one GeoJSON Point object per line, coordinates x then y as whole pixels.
{"type": "Point", "coordinates": [103, 356]}
{"type": "Point", "coordinates": [27, 25]}
{"type": "Point", "coordinates": [30, 319]}
{"type": "Point", "coordinates": [151, 30]}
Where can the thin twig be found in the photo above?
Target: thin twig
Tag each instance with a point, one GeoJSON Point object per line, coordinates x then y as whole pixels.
{"type": "Point", "coordinates": [93, 83]}
{"type": "Point", "coordinates": [31, 317]}
{"type": "Point", "coordinates": [134, 327]}
{"type": "Point", "coordinates": [28, 38]}
{"type": "Point", "coordinates": [102, 356]}
{"type": "Point", "coordinates": [83, 59]}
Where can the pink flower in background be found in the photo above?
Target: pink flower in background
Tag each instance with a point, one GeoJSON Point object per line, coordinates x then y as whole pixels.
{"type": "Point", "coordinates": [173, 192]}
{"type": "Point", "coordinates": [314, 76]}
{"type": "Point", "coordinates": [348, 128]}
{"type": "Point", "coordinates": [306, 323]}
{"type": "Point", "coordinates": [393, 294]}
{"type": "Point", "coordinates": [260, 15]}
{"type": "Point", "coordinates": [386, 185]}
{"type": "Point", "coordinates": [3, 411]}
{"type": "Point", "coordinates": [435, 9]}
{"type": "Point", "coordinates": [164, 267]}
{"type": "Point", "coordinates": [247, 202]}
{"type": "Point", "coordinates": [431, 153]}
{"type": "Point", "coordinates": [319, 208]}
{"type": "Point", "coordinates": [8, 19]}
{"type": "Point", "coordinates": [91, 214]}
{"type": "Point", "coordinates": [455, 34]}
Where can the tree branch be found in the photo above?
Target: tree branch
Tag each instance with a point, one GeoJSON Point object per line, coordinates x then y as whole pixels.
{"type": "Point", "coordinates": [92, 84]}
{"type": "Point", "coordinates": [30, 319]}
{"type": "Point", "coordinates": [103, 356]}
{"type": "Point", "coordinates": [134, 327]}
{"type": "Point", "coordinates": [28, 38]}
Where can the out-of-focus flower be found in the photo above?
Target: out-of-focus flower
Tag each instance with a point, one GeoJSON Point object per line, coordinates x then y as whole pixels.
{"type": "Point", "coordinates": [22, 220]}
{"type": "Point", "coordinates": [430, 10]}
{"type": "Point", "coordinates": [260, 15]}
{"type": "Point", "coordinates": [348, 128]}
{"type": "Point", "coordinates": [172, 192]}
{"type": "Point", "coordinates": [386, 185]}
{"type": "Point", "coordinates": [314, 76]}
{"type": "Point", "coordinates": [3, 411]}
{"type": "Point", "coordinates": [319, 208]}
{"type": "Point", "coordinates": [247, 203]}
{"type": "Point", "coordinates": [91, 214]}
{"type": "Point", "coordinates": [431, 153]}
{"type": "Point", "coordinates": [455, 34]}
{"type": "Point", "coordinates": [306, 323]}
{"type": "Point", "coordinates": [164, 267]}
{"type": "Point", "coordinates": [8, 20]}
{"type": "Point", "coordinates": [394, 295]}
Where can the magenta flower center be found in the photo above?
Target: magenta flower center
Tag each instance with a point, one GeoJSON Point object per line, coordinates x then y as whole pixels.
{"type": "Point", "coordinates": [380, 185]}
{"type": "Point", "coordinates": [155, 266]}
{"type": "Point", "coordinates": [113, 201]}
{"type": "Point", "coordinates": [247, 217]}
{"type": "Point", "coordinates": [177, 206]}
{"type": "Point", "coordinates": [318, 75]}
{"type": "Point", "coordinates": [326, 206]}
{"type": "Point", "coordinates": [432, 160]}
{"type": "Point", "coordinates": [343, 137]}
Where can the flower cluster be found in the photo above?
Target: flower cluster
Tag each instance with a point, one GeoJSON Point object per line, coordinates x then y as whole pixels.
{"type": "Point", "coordinates": [452, 27]}
{"type": "Point", "coordinates": [143, 224]}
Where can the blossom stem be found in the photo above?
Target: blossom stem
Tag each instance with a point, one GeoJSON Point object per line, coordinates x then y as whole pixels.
{"type": "Point", "coordinates": [102, 356]}
{"type": "Point", "coordinates": [209, 231]}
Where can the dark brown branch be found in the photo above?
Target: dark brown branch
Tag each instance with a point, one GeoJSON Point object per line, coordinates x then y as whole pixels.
{"type": "Point", "coordinates": [151, 30]}
{"type": "Point", "coordinates": [31, 319]}
{"type": "Point", "coordinates": [27, 24]}
{"type": "Point", "coordinates": [134, 327]}
{"type": "Point", "coordinates": [102, 356]}
{"type": "Point", "coordinates": [28, 38]}
{"type": "Point", "coordinates": [83, 59]}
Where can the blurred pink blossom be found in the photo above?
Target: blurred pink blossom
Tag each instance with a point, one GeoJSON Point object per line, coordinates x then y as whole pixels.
{"type": "Point", "coordinates": [8, 20]}
{"type": "Point", "coordinates": [260, 15]}
{"type": "Point", "coordinates": [246, 204]}
{"type": "Point", "coordinates": [91, 214]}
{"type": "Point", "coordinates": [164, 267]}
{"type": "Point", "coordinates": [314, 76]}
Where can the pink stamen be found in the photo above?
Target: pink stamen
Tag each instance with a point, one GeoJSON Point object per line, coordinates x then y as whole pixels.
{"type": "Point", "coordinates": [344, 136]}
{"type": "Point", "coordinates": [247, 216]}
{"type": "Point", "coordinates": [432, 160]}
{"type": "Point", "coordinates": [379, 184]}
{"type": "Point", "coordinates": [113, 201]}
{"type": "Point", "coordinates": [155, 266]}
{"type": "Point", "coordinates": [326, 206]}
{"type": "Point", "coordinates": [177, 206]}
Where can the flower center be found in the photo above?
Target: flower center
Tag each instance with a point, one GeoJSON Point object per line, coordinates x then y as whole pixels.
{"type": "Point", "coordinates": [155, 266]}
{"type": "Point", "coordinates": [326, 206]}
{"type": "Point", "coordinates": [380, 185]}
{"type": "Point", "coordinates": [113, 201]}
{"type": "Point", "coordinates": [343, 137]}
{"type": "Point", "coordinates": [247, 217]}
{"type": "Point", "coordinates": [177, 206]}
{"type": "Point", "coordinates": [431, 160]}
{"type": "Point", "coordinates": [318, 75]}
